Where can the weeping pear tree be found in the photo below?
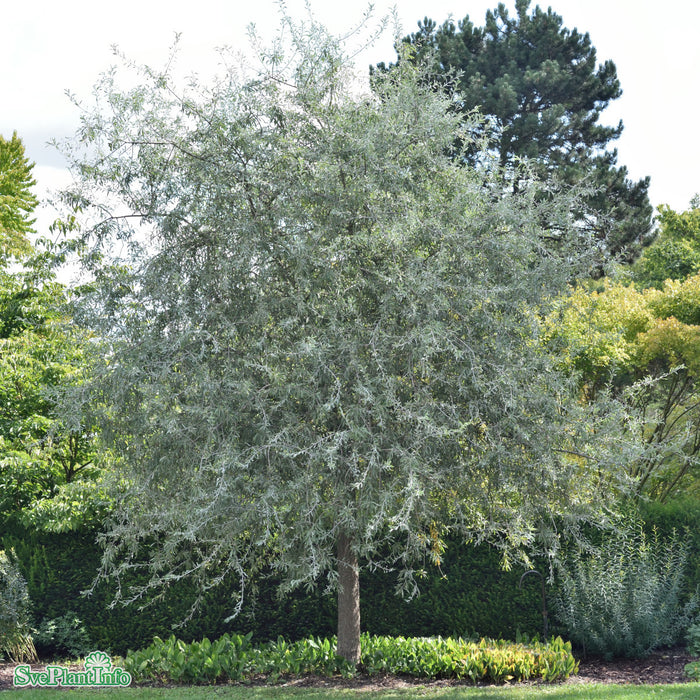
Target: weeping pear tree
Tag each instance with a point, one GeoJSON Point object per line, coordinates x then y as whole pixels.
{"type": "Point", "coordinates": [320, 336]}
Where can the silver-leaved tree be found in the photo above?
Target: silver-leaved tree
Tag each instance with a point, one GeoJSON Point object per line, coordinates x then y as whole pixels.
{"type": "Point", "coordinates": [319, 332]}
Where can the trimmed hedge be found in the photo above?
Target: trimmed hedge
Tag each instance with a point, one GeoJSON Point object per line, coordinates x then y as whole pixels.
{"type": "Point", "coordinates": [58, 567]}
{"type": "Point", "coordinates": [470, 596]}
{"type": "Point", "coordinates": [683, 517]}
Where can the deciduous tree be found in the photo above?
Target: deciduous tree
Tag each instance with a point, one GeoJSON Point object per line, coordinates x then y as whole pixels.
{"type": "Point", "coordinates": [646, 345]}
{"type": "Point", "coordinates": [42, 458]}
{"type": "Point", "coordinates": [17, 200]}
{"type": "Point", "coordinates": [320, 331]}
{"type": "Point", "coordinates": [675, 254]}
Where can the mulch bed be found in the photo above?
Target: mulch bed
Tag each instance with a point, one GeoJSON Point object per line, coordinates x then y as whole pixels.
{"type": "Point", "coordinates": [665, 666]}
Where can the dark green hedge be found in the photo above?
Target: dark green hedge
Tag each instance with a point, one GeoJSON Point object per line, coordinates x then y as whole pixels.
{"type": "Point", "coordinates": [683, 517]}
{"type": "Point", "coordinates": [59, 567]}
{"type": "Point", "coordinates": [469, 595]}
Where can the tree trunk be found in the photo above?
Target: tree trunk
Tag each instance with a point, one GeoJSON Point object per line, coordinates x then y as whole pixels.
{"type": "Point", "coordinates": [348, 601]}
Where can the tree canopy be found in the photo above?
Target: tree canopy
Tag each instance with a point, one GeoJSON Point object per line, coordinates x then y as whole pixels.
{"type": "Point", "coordinates": [43, 460]}
{"type": "Point", "coordinates": [646, 344]}
{"type": "Point", "coordinates": [17, 201]}
{"type": "Point", "coordinates": [542, 85]}
{"type": "Point", "coordinates": [321, 331]}
{"type": "Point", "coordinates": [675, 254]}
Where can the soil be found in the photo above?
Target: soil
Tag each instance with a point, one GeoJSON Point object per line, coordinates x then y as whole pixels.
{"type": "Point", "coordinates": [665, 666]}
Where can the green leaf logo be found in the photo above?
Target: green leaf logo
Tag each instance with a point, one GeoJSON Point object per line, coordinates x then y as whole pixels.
{"type": "Point", "coordinates": [97, 659]}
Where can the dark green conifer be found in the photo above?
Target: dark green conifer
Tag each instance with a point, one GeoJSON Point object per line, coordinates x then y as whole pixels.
{"type": "Point", "coordinates": [542, 85]}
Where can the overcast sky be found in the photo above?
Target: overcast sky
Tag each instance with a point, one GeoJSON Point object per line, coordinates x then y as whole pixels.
{"type": "Point", "coordinates": [50, 46]}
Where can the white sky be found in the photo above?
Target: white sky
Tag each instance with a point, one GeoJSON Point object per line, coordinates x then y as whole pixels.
{"type": "Point", "coordinates": [50, 46]}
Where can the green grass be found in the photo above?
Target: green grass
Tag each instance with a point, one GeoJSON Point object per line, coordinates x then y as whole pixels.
{"type": "Point", "coordinates": [689, 691]}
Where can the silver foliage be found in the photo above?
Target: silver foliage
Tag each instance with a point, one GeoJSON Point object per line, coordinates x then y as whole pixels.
{"type": "Point", "coordinates": [313, 320]}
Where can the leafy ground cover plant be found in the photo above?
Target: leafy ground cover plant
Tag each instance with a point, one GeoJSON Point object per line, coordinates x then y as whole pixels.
{"type": "Point", "coordinates": [692, 670]}
{"type": "Point", "coordinates": [692, 636]}
{"type": "Point", "coordinates": [234, 658]}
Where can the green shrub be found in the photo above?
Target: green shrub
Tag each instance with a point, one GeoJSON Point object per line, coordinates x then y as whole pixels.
{"type": "Point", "coordinates": [62, 636]}
{"type": "Point", "coordinates": [15, 639]}
{"type": "Point", "coordinates": [624, 598]}
{"type": "Point", "coordinates": [234, 658]}
{"type": "Point", "coordinates": [692, 637]}
{"type": "Point", "coordinates": [692, 670]}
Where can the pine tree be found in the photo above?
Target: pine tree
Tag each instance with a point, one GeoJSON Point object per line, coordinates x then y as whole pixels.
{"type": "Point", "coordinates": [542, 85]}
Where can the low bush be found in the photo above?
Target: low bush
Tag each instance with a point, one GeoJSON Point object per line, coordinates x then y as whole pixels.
{"type": "Point", "coordinates": [692, 670]}
{"type": "Point", "coordinates": [624, 599]}
{"type": "Point", "coordinates": [692, 637]}
{"type": "Point", "coordinates": [235, 658]}
{"type": "Point", "coordinates": [683, 516]}
{"type": "Point", "coordinates": [62, 636]}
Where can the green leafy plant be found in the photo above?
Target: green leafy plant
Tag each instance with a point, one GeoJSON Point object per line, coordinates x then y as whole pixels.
{"type": "Point", "coordinates": [60, 636]}
{"type": "Point", "coordinates": [496, 661]}
{"type": "Point", "coordinates": [229, 658]}
{"type": "Point", "coordinates": [15, 640]}
{"type": "Point", "coordinates": [623, 599]}
{"type": "Point", "coordinates": [692, 670]}
{"type": "Point", "coordinates": [692, 636]}
{"type": "Point", "coordinates": [234, 658]}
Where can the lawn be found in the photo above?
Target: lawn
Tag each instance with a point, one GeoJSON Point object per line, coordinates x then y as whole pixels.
{"type": "Point", "coordinates": [688, 691]}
